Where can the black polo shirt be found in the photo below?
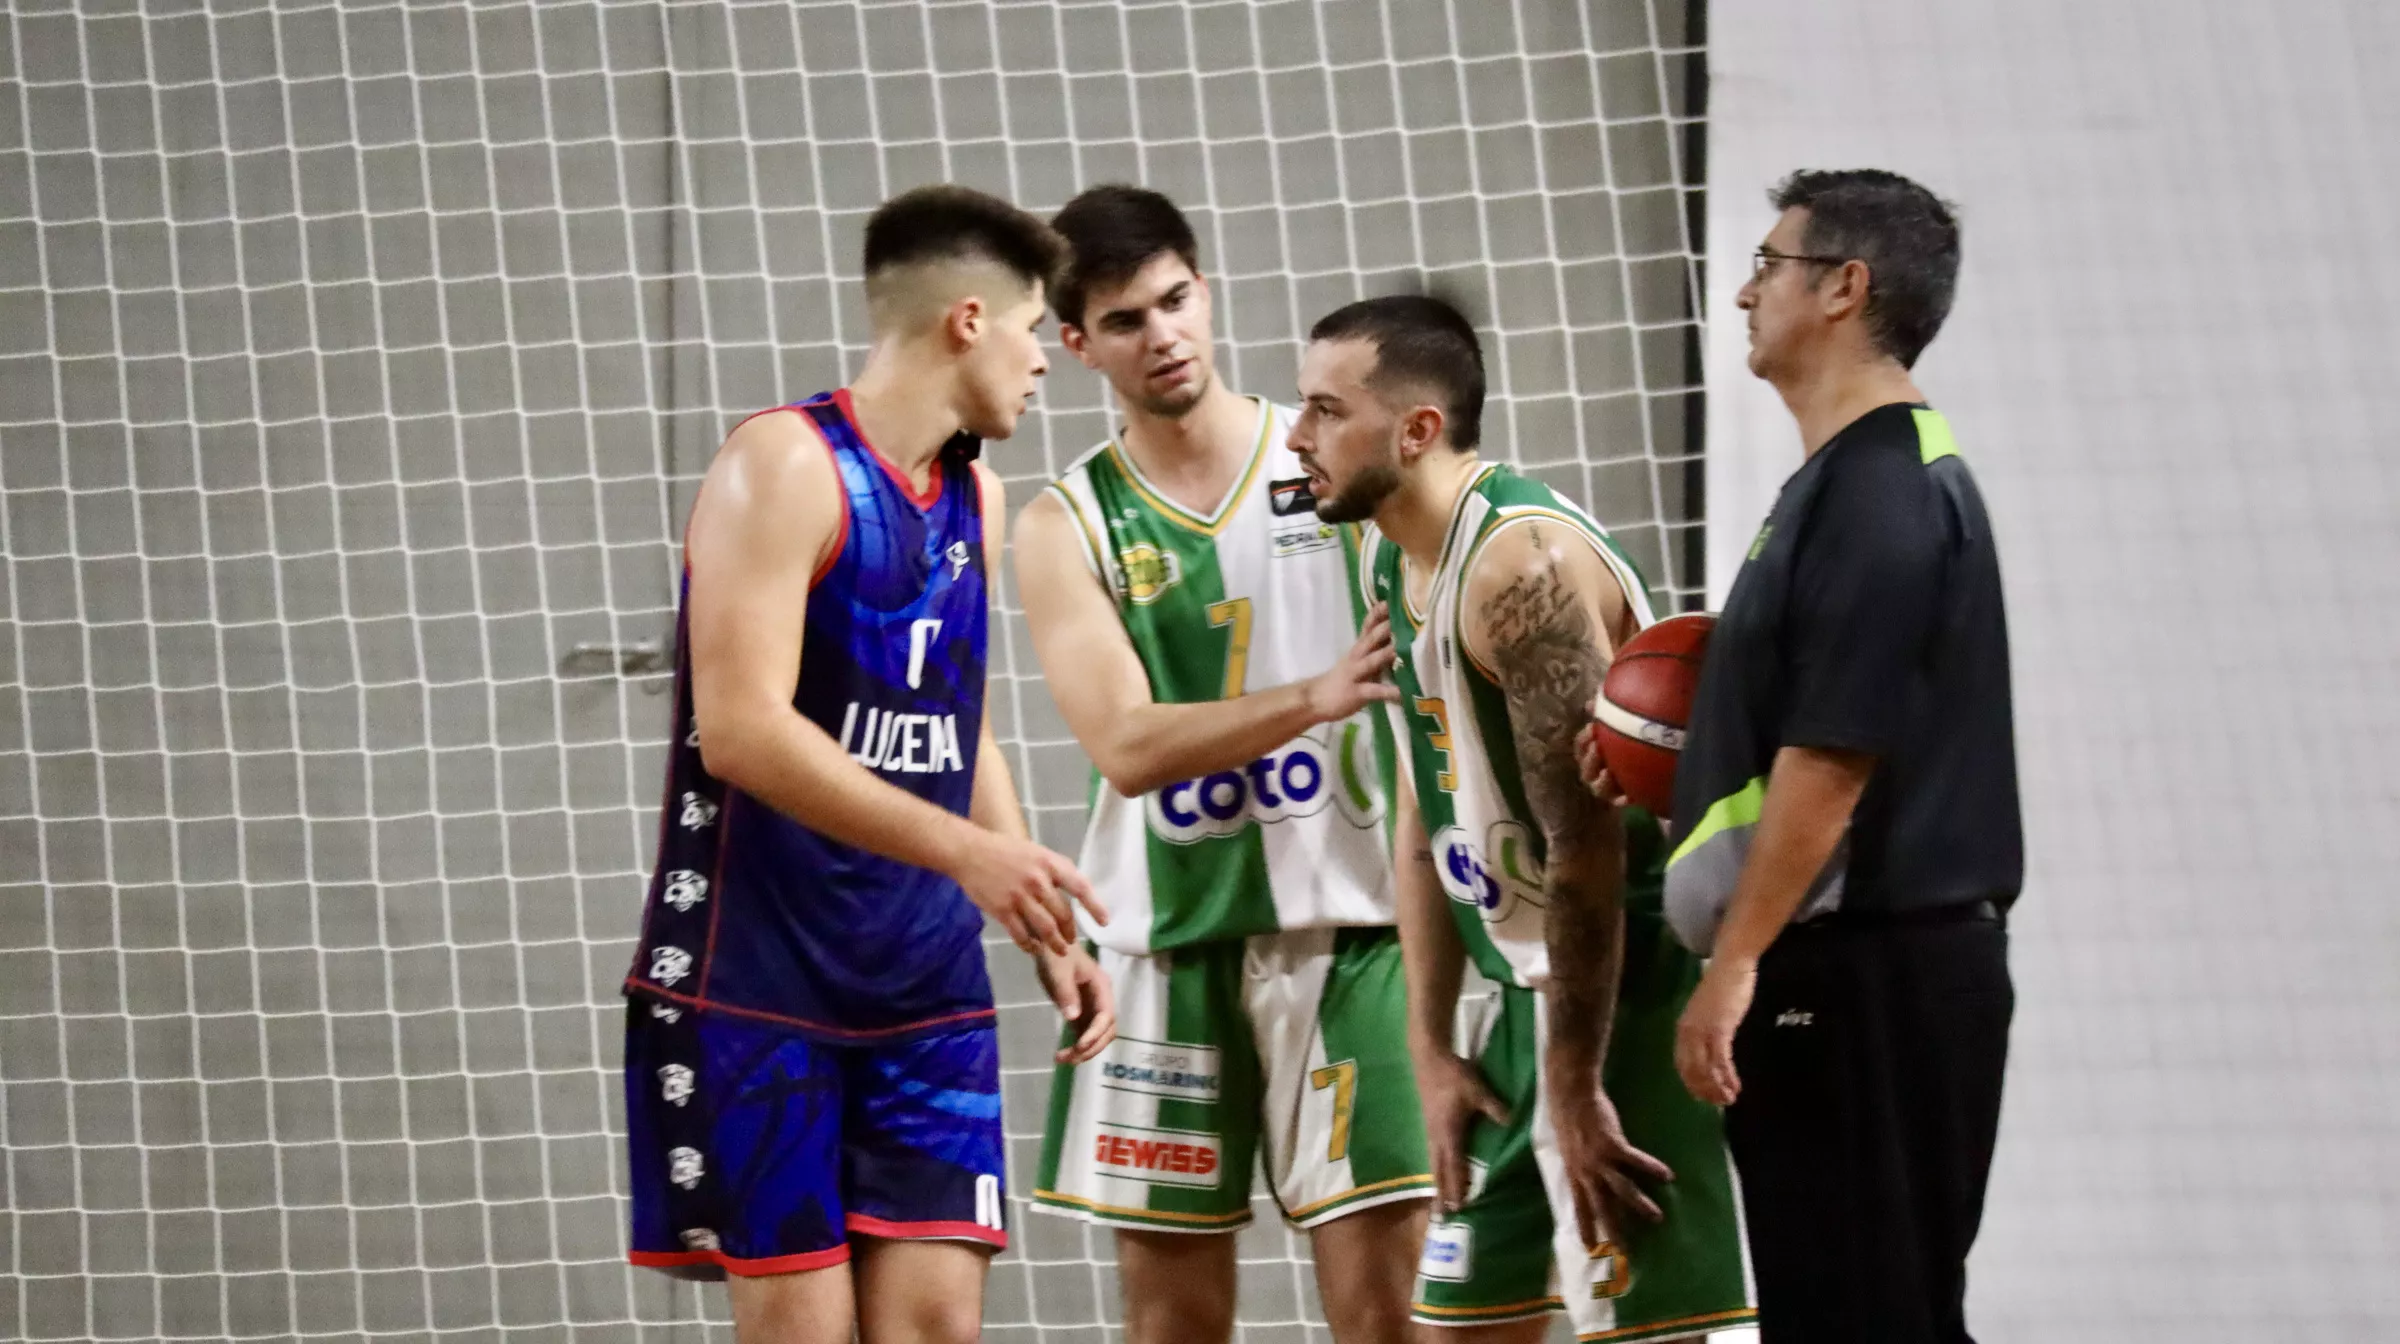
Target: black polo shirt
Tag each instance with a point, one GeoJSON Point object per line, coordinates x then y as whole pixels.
{"type": "Point", "coordinates": [1867, 618]}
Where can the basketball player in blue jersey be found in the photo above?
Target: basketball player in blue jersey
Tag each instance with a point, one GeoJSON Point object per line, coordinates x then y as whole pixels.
{"type": "Point", "coordinates": [812, 1070]}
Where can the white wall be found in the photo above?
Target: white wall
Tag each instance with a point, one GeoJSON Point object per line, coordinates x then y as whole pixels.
{"type": "Point", "coordinates": [2170, 367]}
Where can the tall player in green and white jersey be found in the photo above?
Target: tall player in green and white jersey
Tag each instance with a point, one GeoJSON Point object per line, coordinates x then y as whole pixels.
{"type": "Point", "coordinates": [1506, 603]}
{"type": "Point", "coordinates": [1200, 630]}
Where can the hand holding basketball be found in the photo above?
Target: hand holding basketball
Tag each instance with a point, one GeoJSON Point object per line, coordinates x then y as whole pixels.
{"type": "Point", "coordinates": [1594, 767]}
{"type": "Point", "coordinates": [1645, 703]}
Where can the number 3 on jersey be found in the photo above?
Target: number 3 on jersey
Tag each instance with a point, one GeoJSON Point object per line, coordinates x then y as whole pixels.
{"type": "Point", "coordinates": [1446, 778]}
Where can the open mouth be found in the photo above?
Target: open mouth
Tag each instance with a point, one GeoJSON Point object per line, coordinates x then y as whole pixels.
{"type": "Point", "coordinates": [1179, 371]}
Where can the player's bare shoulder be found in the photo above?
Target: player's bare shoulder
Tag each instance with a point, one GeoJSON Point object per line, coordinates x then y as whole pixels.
{"type": "Point", "coordinates": [772, 492]}
{"type": "Point", "coordinates": [772, 455]}
{"type": "Point", "coordinates": [992, 491]}
{"type": "Point", "coordinates": [1055, 550]}
{"type": "Point", "coordinates": [1538, 583]}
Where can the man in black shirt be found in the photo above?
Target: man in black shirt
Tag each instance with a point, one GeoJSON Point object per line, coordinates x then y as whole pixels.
{"type": "Point", "coordinates": [1847, 833]}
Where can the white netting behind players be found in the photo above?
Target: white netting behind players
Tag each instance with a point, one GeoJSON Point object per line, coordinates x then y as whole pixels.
{"type": "Point", "coordinates": [357, 363]}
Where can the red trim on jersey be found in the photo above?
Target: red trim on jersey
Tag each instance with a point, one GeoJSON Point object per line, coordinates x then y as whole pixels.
{"type": "Point", "coordinates": [666, 800]}
{"type": "Point", "coordinates": [776, 1264]}
{"type": "Point", "coordinates": [716, 891]}
{"type": "Point", "coordinates": [637, 985]}
{"type": "Point", "coordinates": [771, 410]}
{"type": "Point", "coordinates": [880, 1227]}
{"type": "Point", "coordinates": [841, 398]}
{"type": "Point", "coordinates": [841, 492]}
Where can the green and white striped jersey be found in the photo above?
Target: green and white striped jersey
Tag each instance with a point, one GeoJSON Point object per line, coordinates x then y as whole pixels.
{"type": "Point", "coordinates": [1257, 595]}
{"type": "Point", "coordinates": [1462, 754]}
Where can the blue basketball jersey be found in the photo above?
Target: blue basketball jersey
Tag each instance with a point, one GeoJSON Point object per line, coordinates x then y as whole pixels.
{"type": "Point", "coordinates": [751, 912]}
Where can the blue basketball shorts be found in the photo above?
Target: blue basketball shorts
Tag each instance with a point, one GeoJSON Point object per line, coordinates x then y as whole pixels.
{"type": "Point", "coordinates": [758, 1151]}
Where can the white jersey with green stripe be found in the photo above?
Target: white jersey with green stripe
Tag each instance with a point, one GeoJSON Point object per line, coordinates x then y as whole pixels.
{"type": "Point", "coordinates": [1462, 755]}
{"type": "Point", "coordinates": [1257, 595]}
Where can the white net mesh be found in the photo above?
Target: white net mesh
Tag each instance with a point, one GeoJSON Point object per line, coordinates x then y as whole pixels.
{"type": "Point", "coordinates": [357, 364]}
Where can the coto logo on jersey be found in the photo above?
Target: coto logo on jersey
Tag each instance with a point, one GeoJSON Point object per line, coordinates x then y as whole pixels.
{"type": "Point", "coordinates": [1301, 780]}
{"type": "Point", "coordinates": [1498, 879]}
{"type": "Point", "coordinates": [1149, 572]}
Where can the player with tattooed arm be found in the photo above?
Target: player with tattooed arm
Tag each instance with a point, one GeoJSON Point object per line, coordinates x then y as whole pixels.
{"type": "Point", "coordinates": [1573, 1170]}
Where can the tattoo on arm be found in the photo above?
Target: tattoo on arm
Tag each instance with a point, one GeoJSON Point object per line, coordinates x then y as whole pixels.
{"type": "Point", "coordinates": [1547, 651]}
{"type": "Point", "coordinates": [1548, 656]}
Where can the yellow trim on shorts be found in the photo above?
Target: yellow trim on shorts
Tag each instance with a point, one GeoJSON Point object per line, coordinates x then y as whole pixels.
{"type": "Point", "coordinates": [1200, 1221]}
{"type": "Point", "coordinates": [1526, 1308]}
{"type": "Point", "coordinates": [1422, 1182]}
{"type": "Point", "coordinates": [1681, 1325]}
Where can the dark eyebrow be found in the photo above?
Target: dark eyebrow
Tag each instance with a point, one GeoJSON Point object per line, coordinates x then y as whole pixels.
{"type": "Point", "coordinates": [1121, 318]}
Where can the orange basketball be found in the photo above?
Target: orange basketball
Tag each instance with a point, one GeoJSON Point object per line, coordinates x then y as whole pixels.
{"type": "Point", "coordinates": [1645, 704]}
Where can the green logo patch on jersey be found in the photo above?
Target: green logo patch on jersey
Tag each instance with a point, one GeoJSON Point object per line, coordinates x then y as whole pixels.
{"type": "Point", "coordinates": [1149, 572]}
{"type": "Point", "coordinates": [1495, 878]}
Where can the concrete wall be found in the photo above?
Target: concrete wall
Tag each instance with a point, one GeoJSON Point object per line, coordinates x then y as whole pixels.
{"type": "Point", "coordinates": [2168, 368]}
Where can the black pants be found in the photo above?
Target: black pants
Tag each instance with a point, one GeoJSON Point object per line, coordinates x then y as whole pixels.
{"type": "Point", "coordinates": [1870, 1064]}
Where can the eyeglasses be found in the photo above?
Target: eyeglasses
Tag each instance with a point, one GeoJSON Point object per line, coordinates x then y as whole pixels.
{"type": "Point", "coordinates": [1764, 259]}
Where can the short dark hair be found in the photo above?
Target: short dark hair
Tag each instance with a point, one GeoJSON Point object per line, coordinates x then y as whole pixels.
{"type": "Point", "coordinates": [952, 223]}
{"type": "Point", "coordinates": [1907, 236]}
{"type": "Point", "coordinates": [1420, 341]}
{"type": "Point", "coordinates": [1113, 231]}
